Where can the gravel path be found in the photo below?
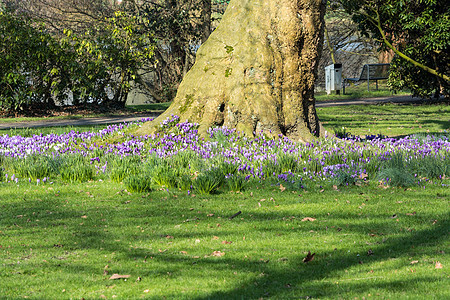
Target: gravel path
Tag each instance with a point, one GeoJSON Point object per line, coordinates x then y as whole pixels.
{"type": "Point", "coordinates": [121, 119]}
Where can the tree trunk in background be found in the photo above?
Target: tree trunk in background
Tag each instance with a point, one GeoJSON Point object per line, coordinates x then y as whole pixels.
{"type": "Point", "coordinates": [206, 19]}
{"type": "Point", "coordinates": [256, 71]}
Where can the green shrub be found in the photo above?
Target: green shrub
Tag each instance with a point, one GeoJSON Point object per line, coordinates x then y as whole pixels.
{"type": "Point", "coordinates": [270, 168]}
{"type": "Point", "coordinates": [122, 167]}
{"type": "Point", "coordinates": [76, 168]}
{"type": "Point", "coordinates": [138, 183]}
{"type": "Point", "coordinates": [184, 182]}
{"type": "Point", "coordinates": [119, 173]}
{"type": "Point", "coordinates": [236, 182]}
{"type": "Point", "coordinates": [286, 163]}
{"type": "Point", "coordinates": [397, 177]}
{"type": "Point", "coordinates": [343, 178]}
{"type": "Point", "coordinates": [395, 172]}
{"type": "Point", "coordinates": [226, 168]}
{"type": "Point", "coordinates": [341, 132]}
{"type": "Point", "coordinates": [372, 168]}
{"type": "Point", "coordinates": [163, 175]}
{"type": "Point", "coordinates": [183, 159]}
{"type": "Point", "coordinates": [208, 182]}
{"type": "Point", "coordinates": [36, 166]}
{"type": "Point", "coordinates": [433, 167]}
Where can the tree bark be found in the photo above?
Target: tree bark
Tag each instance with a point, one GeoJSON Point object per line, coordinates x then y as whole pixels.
{"type": "Point", "coordinates": [256, 71]}
{"type": "Point", "coordinates": [206, 19]}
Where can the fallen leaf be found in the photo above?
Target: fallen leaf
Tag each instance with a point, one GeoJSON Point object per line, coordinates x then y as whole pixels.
{"type": "Point", "coordinates": [226, 242]}
{"type": "Point", "coordinates": [309, 257]}
{"type": "Point", "coordinates": [215, 238]}
{"type": "Point", "coordinates": [308, 219]}
{"type": "Point", "coordinates": [84, 217]}
{"type": "Point", "coordinates": [370, 252]}
{"type": "Point", "coordinates": [210, 215]}
{"type": "Point", "coordinates": [414, 262]}
{"type": "Point", "coordinates": [411, 214]}
{"type": "Point", "coordinates": [282, 188]}
{"type": "Point", "coordinates": [183, 252]}
{"type": "Point", "coordinates": [217, 253]}
{"type": "Point", "coordinates": [146, 291]}
{"type": "Point", "coordinates": [335, 188]}
{"type": "Point", "coordinates": [438, 265]}
{"type": "Point", "coordinates": [117, 276]}
{"type": "Point", "coordinates": [363, 175]}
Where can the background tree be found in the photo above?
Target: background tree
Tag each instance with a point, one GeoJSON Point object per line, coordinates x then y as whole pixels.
{"type": "Point", "coordinates": [97, 65]}
{"type": "Point", "coordinates": [256, 71]}
{"type": "Point", "coordinates": [418, 32]}
{"type": "Point", "coordinates": [344, 43]}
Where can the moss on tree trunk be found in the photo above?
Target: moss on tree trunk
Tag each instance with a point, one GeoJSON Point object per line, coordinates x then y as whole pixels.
{"type": "Point", "coordinates": [256, 71]}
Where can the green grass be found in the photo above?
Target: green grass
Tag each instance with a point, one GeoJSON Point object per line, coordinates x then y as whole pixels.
{"type": "Point", "coordinates": [387, 119]}
{"type": "Point", "coordinates": [360, 91]}
{"type": "Point", "coordinates": [151, 106]}
{"type": "Point", "coordinates": [27, 132]}
{"type": "Point", "coordinates": [64, 241]}
{"type": "Point", "coordinates": [130, 109]}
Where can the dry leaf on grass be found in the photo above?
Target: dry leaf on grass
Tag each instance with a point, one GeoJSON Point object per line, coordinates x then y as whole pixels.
{"type": "Point", "coordinates": [438, 265]}
{"type": "Point", "coordinates": [117, 276]}
{"type": "Point", "coordinates": [414, 262]}
{"type": "Point", "coordinates": [226, 242]}
{"type": "Point", "coordinates": [363, 175]}
{"type": "Point", "coordinates": [282, 188]}
{"type": "Point", "coordinates": [309, 257]}
{"type": "Point", "coordinates": [308, 219]}
{"type": "Point", "coordinates": [217, 253]}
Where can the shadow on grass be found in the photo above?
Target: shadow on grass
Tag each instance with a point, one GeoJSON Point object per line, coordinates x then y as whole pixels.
{"type": "Point", "coordinates": [289, 278]}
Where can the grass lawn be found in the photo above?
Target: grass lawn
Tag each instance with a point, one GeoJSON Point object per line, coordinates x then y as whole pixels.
{"type": "Point", "coordinates": [387, 119]}
{"type": "Point", "coordinates": [359, 90]}
{"type": "Point", "coordinates": [62, 240]}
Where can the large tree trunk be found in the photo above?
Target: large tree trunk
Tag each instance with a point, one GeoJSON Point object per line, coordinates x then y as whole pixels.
{"type": "Point", "coordinates": [256, 71]}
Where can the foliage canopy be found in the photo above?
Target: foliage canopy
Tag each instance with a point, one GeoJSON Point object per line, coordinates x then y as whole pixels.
{"type": "Point", "coordinates": [418, 32]}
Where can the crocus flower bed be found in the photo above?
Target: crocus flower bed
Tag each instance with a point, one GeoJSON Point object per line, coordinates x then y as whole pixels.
{"type": "Point", "coordinates": [226, 154]}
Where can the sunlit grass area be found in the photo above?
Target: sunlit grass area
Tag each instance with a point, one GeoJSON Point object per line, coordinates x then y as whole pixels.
{"type": "Point", "coordinates": [64, 241]}
{"type": "Point", "coordinates": [387, 119]}
{"type": "Point", "coordinates": [360, 90]}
